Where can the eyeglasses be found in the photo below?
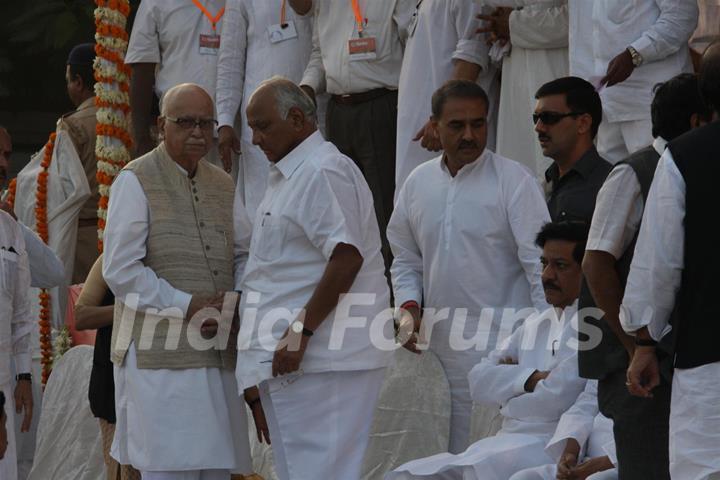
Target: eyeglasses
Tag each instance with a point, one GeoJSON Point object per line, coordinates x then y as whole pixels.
{"type": "Point", "coordinates": [551, 118]}
{"type": "Point", "coordinates": [189, 123]}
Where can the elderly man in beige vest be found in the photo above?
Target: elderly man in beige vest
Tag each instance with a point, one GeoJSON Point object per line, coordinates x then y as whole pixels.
{"type": "Point", "coordinates": [169, 249]}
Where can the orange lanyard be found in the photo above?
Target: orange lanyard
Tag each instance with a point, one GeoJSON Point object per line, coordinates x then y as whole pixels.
{"type": "Point", "coordinates": [283, 14]}
{"type": "Point", "coordinates": [213, 20]}
{"type": "Point", "coordinates": [359, 19]}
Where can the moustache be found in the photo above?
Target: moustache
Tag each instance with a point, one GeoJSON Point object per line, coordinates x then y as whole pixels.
{"type": "Point", "coordinates": [550, 286]}
{"type": "Point", "coordinates": [467, 145]}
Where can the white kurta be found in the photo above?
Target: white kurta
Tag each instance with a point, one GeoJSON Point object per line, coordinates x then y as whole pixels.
{"type": "Point", "coordinates": [248, 57]}
{"type": "Point", "coordinates": [167, 32]}
{"type": "Point", "coordinates": [206, 412]}
{"type": "Point", "coordinates": [467, 242]}
{"type": "Point", "coordinates": [444, 32]}
{"type": "Point", "coordinates": [538, 38]}
{"type": "Point", "coordinates": [544, 342]}
{"type": "Point", "coordinates": [316, 199]}
{"type": "Point", "coordinates": [659, 30]}
{"type": "Point", "coordinates": [16, 323]}
{"type": "Point", "coordinates": [46, 269]}
{"type": "Point", "coordinates": [654, 280]}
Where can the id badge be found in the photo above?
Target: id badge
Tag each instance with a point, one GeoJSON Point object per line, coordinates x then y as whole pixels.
{"type": "Point", "coordinates": [209, 44]}
{"type": "Point", "coordinates": [279, 33]}
{"type": "Point", "coordinates": [362, 49]}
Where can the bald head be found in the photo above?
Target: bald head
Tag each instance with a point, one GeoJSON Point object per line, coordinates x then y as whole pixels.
{"type": "Point", "coordinates": [709, 76]}
{"type": "Point", "coordinates": [184, 96]}
{"type": "Point", "coordinates": [186, 124]}
{"type": "Point", "coordinates": [281, 117]}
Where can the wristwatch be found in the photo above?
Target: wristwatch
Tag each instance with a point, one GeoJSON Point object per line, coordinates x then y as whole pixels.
{"type": "Point", "coordinates": [637, 59]}
{"type": "Point", "coordinates": [23, 376]}
{"type": "Point", "coordinates": [298, 327]}
{"type": "Point", "coordinates": [645, 342]}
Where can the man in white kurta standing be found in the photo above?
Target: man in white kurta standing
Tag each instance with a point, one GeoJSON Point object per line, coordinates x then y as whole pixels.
{"type": "Point", "coordinates": [532, 375]}
{"type": "Point", "coordinates": [315, 238]}
{"type": "Point", "coordinates": [261, 38]}
{"type": "Point", "coordinates": [172, 42]}
{"type": "Point", "coordinates": [463, 235]}
{"type": "Point", "coordinates": [16, 323]}
{"type": "Point", "coordinates": [168, 248]}
{"type": "Point", "coordinates": [442, 45]}
{"type": "Point", "coordinates": [531, 39]}
{"type": "Point", "coordinates": [625, 49]}
{"type": "Point", "coordinates": [674, 269]}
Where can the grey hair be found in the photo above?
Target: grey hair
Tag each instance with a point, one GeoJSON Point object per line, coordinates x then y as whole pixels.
{"type": "Point", "coordinates": [288, 95]}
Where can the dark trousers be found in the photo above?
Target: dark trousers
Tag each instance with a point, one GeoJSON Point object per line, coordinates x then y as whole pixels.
{"type": "Point", "coordinates": [640, 426]}
{"type": "Point", "coordinates": [367, 133]}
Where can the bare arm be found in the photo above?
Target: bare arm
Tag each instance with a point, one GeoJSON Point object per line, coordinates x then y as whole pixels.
{"type": "Point", "coordinates": [464, 70]}
{"type": "Point", "coordinates": [599, 269]}
{"type": "Point", "coordinates": [90, 314]}
{"type": "Point", "coordinates": [141, 98]}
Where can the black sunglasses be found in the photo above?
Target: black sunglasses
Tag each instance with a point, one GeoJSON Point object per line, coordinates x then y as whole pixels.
{"type": "Point", "coordinates": [551, 118]}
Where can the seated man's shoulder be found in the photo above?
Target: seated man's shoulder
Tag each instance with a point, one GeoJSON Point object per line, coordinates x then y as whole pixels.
{"type": "Point", "coordinates": [218, 175]}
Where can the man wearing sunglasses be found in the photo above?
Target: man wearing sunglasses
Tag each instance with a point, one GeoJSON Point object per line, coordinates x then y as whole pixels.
{"type": "Point", "coordinates": [567, 118]}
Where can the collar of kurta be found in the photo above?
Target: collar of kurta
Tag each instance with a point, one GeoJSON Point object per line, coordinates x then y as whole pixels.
{"type": "Point", "coordinates": [583, 167]}
{"type": "Point", "coordinates": [90, 102]}
{"type": "Point", "coordinates": [465, 168]}
{"type": "Point", "coordinates": [295, 158]}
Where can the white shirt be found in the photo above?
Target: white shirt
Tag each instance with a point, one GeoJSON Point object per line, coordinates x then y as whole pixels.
{"type": "Point", "coordinates": [658, 29]}
{"type": "Point", "coordinates": [584, 423]}
{"type": "Point", "coordinates": [46, 269]}
{"type": "Point", "coordinates": [468, 241]}
{"type": "Point", "coordinates": [248, 57]}
{"type": "Point", "coordinates": [330, 68]}
{"type": "Point", "coordinates": [167, 32]}
{"type": "Point", "coordinates": [316, 199]}
{"type": "Point", "coordinates": [656, 269]}
{"type": "Point", "coordinates": [16, 320]}
{"type": "Point", "coordinates": [545, 343]}
{"type": "Point", "coordinates": [443, 33]}
{"type": "Point", "coordinates": [618, 209]}
{"type": "Point", "coordinates": [126, 234]}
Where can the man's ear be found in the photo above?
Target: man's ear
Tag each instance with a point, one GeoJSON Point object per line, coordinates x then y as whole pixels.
{"type": "Point", "coordinates": [297, 117]}
{"type": "Point", "coordinates": [161, 120]}
{"type": "Point", "coordinates": [585, 123]}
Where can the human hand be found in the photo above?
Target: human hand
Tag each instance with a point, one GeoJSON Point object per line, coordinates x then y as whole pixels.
{"type": "Point", "coordinates": [228, 142]}
{"type": "Point", "coordinates": [533, 380]}
{"type": "Point", "coordinates": [619, 69]}
{"type": "Point", "coordinates": [590, 467]}
{"type": "Point", "coordinates": [428, 137]}
{"type": "Point", "coordinates": [252, 398]}
{"type": "Point", "coordinates": [24, 401]}
{"type": "Point", "coordinates": [198, 302]}
{"type": "Point", "coordinates": [408, 329]}
{"type": "Point", "coordinates": [568, 460]}
{"type": "Point", "coordinates": [497, 25]}
{"type": "Point", "coordinates": [643, 374]}
{"type": "Point", "coordinates": [290, 352]}
{"type": "Point", "coordinates": [507, 361]}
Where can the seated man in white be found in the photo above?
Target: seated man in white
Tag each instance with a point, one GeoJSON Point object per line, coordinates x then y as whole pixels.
{"type": "Point", "coordinates": [583, 433]}
{"type": "Point", "coordinates": [532, 376]}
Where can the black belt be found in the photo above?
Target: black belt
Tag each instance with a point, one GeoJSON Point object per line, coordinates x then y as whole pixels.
{"type": "Point", "coordinates": [355, 98]}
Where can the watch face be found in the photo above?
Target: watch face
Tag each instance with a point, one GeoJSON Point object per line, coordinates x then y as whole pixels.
{"type": "Point", "coordinates": [297, 327]}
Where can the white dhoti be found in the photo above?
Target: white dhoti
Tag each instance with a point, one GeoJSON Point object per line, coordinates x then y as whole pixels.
{"type": "Point", "coordinates": [493, 458]}
{"type": "Point", "coordinates": [320, 422]}
{"type": "Point", "coordinates": [618, 140]}
{"type": "Point", "coordinates": [8, 465]}
{"type": "Point", "coordinates": [179, 420]}
{"type": "Point", "coordinates": [695, 423]}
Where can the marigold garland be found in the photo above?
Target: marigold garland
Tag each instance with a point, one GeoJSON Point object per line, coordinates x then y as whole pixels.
{"type": "Point", "coordinates": [12, 188]}
{"type": "Point", "coordinates": [111, 99]}
{"type": "Point", "coordinates": [41, 226]}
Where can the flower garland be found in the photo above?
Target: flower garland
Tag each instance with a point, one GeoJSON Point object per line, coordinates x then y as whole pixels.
{"type": "Point", "coordinates": [112, 99]}
{"type": "Point", "coordinates": [12, 188]}
{"type": "Point", "coordinates": [41, 226]}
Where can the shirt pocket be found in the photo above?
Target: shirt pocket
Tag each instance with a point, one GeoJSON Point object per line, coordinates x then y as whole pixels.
{"type": "Point", "coordinates": [270, 238]}
{"type": "Point", "coordinates": [619, 11]}
{"type": "Point", "coordinates": [8, 270]}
